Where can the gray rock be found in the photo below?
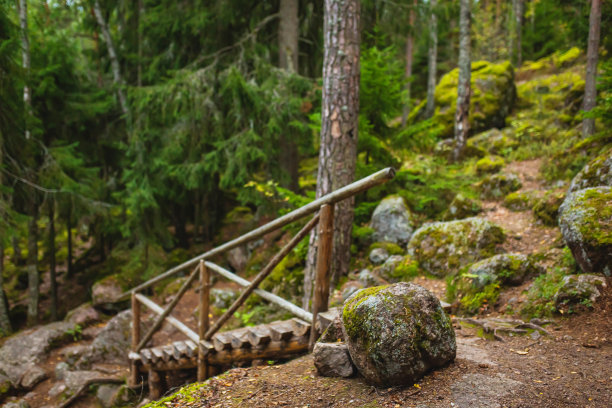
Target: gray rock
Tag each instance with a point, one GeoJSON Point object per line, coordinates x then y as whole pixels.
{"type": "Point", "coordinates": [391, 221]}
{"type": "Point", "coordinates": [368, 279]}
{"type": "Point", "coordinates": [110, 395]}
{"type": "Point", "coordinates": [499, 185]}
{"type": "Point", "coordinates": [585, 219]}
{"type": "Point", "coordinates": [25, 350]}
{"type": "Point", "coordinates": [72, 354]}
{"type": "Point", "coordinates": [443, 248]}
{"type": "Point", "coordinates": [386, 271]}
{"type": "Point", "coordinates": [333, 360]}
{"type": "Point", "coordinates": [17, 404]}
{"type": "Point", "coordinates": [105, 293]}
{"type": "Point", "coordinates": [493, 140]}
{"type": "Point", "coordinates": [396, 333]}
{"type": "Point", "coordinates": [57, 389]}
{"type": "Point", "coordinates": [83, 315]}
{"type": "Point", "coordinates": [598, 172]}
{"type": "Point", "coordinates": [33, 376]}
{"type": "Point", "coordinates": [222, 298]}
{"type": "Point", "coordinates": [75, 379]}
{"type": "Point", "coordinates": [506, 269]}
{"type": "Point", "coordinates": [112, 344]}
{"type": "Point", "coordinates": [461, 207]}
{"type": "Point", "coordinates": [60, 370]}
{"type": "Point", "coordinates": [238, 258]}
{"type": "Point", "coordinates": [378, 256]}
{"type": "Point", "coordinates": [6, 387]}
{"type": "Point", "coordinates": [579, 289]}
{"type": "Point", "coordinates": [349, 288]}
{"type": "Point", "coordinates": [334, 332]}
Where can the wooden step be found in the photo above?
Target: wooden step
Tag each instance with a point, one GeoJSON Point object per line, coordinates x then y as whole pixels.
{"type": "Point", "coordinates": [239, 338]}
{"type": "Point", "coordinates": [281, 330]}
{"type": "Point", "coordinates": [222, 341]}
{"type": "Point", "coordinates": [259, 335]}
{"type": "Point", "coordinates": [300, 327]}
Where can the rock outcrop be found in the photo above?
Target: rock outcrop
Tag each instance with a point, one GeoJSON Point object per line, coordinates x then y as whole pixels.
{"type": "Point", "coordinates": [396, 333]}
{"type": "Point", "coordinates": [392, 221]}
{"type": "Point", "coordinates": [443, 248]}
{"type": "Point", "coordinates": [598, 172]}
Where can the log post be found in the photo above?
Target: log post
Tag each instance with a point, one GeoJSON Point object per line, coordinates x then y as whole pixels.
{"type": "Point", "coordinates": [203, 321]}
{"type": "Point", "coordinates": [324, 254]}
{"type": "Point", "coordinates": [135, 339]}
{"type": "Point", "coordinates": [156, 384]}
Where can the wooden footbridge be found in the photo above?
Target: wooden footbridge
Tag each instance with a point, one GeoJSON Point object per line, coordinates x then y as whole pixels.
{"type": "Point", "coordinates": [208, 350]}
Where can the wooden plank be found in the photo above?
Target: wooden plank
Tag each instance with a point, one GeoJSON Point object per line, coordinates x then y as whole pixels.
{"type": "Point", "coordinates": [134, 356]}
{"type": "Point", "coordinates": [239, 338]}
{"type": "Point", "coordinates": [180, 349]}
{"type": "Point", "coordinates": [270, 297]}
{"type": "Point", "coordinates": [322, 278]}
{"type": "Point", "coordinates": [146, 355]}
{"type": "Point", "coordinates": [207, 347]}
{"type": "Point", "coordinates": [157, 354]}
{"type": "Point", "coordinates": [165, 312]}
{"type": "Point", "coordinates": [352, 189]}
{"type": "Point", "coordinates": [154, 307]}
{"type": "Point", "coordinates": [222, 341]}
{"type": "Point", "coordinates": [192, 348]}
{"type": "Point", "coordinates": [168, 351]}
{"type": "Point", "coordinates": [203, 321]}
{"type": "Point", "coordinates": [281, 330]}
{"type": "Point", "coordinates": [300, 327]}
{"type": "Point", "coordinates": [133, 380]}
{"type": "Point", "coordinates": [259, 335]}
{"type": "Point", "coordinates": [262, 275]}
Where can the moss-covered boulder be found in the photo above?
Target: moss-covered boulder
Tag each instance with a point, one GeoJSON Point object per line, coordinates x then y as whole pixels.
{"type": "Point", "coordinates": [585, 218]}
{"type": "Point", "coordinates": [392, 221]}
{"type": "Point", "coordinates": [489, 164]}
{"type": "Point", "coordinates": [498, 185]}
{"type": "Point", "coordinates": [546, 208]}
{"type": "Point", "coordinates": [398, 269]}
{"type": "Point", "coordinates": [461, 207]}
{"type": "Point", "coordinates": [597, 172]}
{"type": "Point", "coordinates": [396, 333]}
{"type": "Point", "coordinates": [105, 294]}
{"type": "Point", "coordinates": [493, 141]}
{"type": "Point", "coordinates": [581, 289]}
{"type": "Point", "coordinates": [444, 149]}
{"type": "Point", "coordinates": [443, 248]}
{"type": "Point", "coordinates": [480, 283]}
{"type": "Point", "coordinates": [492, 99]}
{"type": "Point", "coordinates": [520, 200]}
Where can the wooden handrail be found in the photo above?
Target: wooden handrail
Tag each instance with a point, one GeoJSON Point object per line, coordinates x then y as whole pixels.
{"type": "Point", "coordinates": [261, 276]}
{"type": "Point", "coordinates": [270, 297]}
{"type": "Point", "coordinates": [155, 308]}
{"type": "Point", "coordinates": [331, 198]}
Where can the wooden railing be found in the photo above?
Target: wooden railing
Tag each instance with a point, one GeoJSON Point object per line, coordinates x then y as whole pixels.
{"type": "Point", "coordinates": [324, 217]}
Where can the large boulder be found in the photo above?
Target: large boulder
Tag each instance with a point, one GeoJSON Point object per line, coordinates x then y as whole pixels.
{"type": "Point", "coordinates": [105, 293]}
{"type": "Point", "coordinates": [579, 289]}
{"type": "Point", "coordinates": [398, 268]}
{"type": "Point", "coordinates": [443, 248]}
{"type": "Point", "coordinates": [22, 353]}
{"type": "Point", "coordinates": [492, 98]}
{"type": "Point", "coordinates": [112, 344]}
{"type": "Point", "coordinates": [392, 221]}
{"type": "Point", "coordinates": [597, 172]}
{"type": "Point", "coordinates": [546, 208]}
{"type": "Point", "coordinates": [396, 333]}
{"type": "Point", "coordinates": [585, 219]}
{"type": "Point", "coordinates": [461, 207]}
{"type": "Point", "coordinates": [494, 141]}
{"type": "Point", "coordinates": [498, 185]}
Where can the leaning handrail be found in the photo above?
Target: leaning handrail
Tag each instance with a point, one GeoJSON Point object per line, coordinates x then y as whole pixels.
{"type": "Point", "coordinates": [331, 198]}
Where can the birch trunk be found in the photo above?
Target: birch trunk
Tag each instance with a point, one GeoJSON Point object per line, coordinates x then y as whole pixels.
{"type": "Point", "coordinates": [409, 59]}
{"type": "Point", "coordinates": [432, 57]}
{"type": "Point", "coordinates": [25, 63]}
{"type": "Point", "coordinates": [112, 55]}
{"type": "Point", "coordinates": [462, 125]}
{"type": "Point", "coordinates": [338, 147]}
{"type": "Point", "coordinates": [590, 90]}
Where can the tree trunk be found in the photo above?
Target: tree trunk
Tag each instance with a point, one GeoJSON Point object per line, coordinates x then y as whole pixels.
{"type": "Point", "coordinates": [462, 125]}
{"type": "Point", "coordinates": [139, 39]}
{"type": "Point", "coordinates": [51, 249]}
{"type": "Point", "coordinates": [432, 57]}
{"type": "Point", "coordinates": [25, 63]}
{"type": "Point", "coordinates": [590, 91]}
{"type": "Point", "coordinates": [5, 322]}
{"type": "Point", "coordinates": [518, 21]}
{"type": "Point", "coordinates": [409, 59]}
{"type": "Point", "coordinates": [69, 270]}
{"type": "Point", "coordinates": [33, 278]}
{"type": "Point", "coordinates": [338, 147]}
{"type": "Point", "coordinates": [288, 33]}
{"type": "Point", "coordinates": [112, 54]}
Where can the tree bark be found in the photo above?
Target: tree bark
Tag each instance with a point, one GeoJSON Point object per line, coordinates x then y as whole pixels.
{"type": "Point", "coordinates": [409, 59]}
{"type": "Point", "coordinates": [462, 124]}
{"type": "Point", "coordinates": [338, 146]}
{"type": "Point", "coordinates": [33, 278]}
{"type": "Point", "coordinates": [5, 322]}
{"type": "Point", "coordinates": [69, 268]}
{"type": "Point", "coordinates": [432, 57]}
{"type": "Point", "coordinates": [51, 249]}
{"type": "Point", "coordinates": [518, 21]}
{"type": "Point", "coordinates": [590, 90]}
{"type": "Point", "coordinates": [288, 33]}
{"type": "Point", "coordinates": [25, 63]}
{"type": "Point", "coordinates": [112, 54]}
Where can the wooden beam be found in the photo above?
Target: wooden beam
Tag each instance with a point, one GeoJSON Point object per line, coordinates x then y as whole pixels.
{"type": "Point", "coordinates": [352, 189]}
{"type": "Point", "coordinates": [133, 381]}
{"type": "Point", "coordinates": [203, 319]}
{"type": "Point", "coordinates": [261, 276]}
{"type": "Point", "coordinates": [324, 255]}
{"type": "Point", "coordinates": [167, 310]}
{"type": "Point", "coordinates": [270, 297]}
{"type": "Point", "coordinates": [155, 308]}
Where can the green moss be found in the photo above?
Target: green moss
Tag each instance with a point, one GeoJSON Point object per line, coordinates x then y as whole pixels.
{"type": "Point", "coordinates": [519, 200]}
{"type": "Point", "coordinates": [390, 247]}
{"type": "Point", "coordinates": [362, 236]}
{"type": "Point", "coordinates": [546, 209]}
{"type": "Point", "coordinates": [489, 164]}
{"type": "Point", "coordinates": [353, 321]}
{"type": "Point", "coordinates": [461, 207]}
{"type": "Point", "coordinates": [472, 303]}
{"type": "Point", "coordinates": [406, 270]}
{"type": "Point", "coordinates": [498, 185]}
{"type": "Point", "coordinates": [566, 58]}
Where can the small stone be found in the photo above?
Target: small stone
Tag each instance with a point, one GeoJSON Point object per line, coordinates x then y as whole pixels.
{"type": "Point", "coordinates": [60, 370]}
{"type": "Point", "coordinates": [392, 221]}
{"type": "Point", "coordinates": [57, 389]}
{"type": "Point", "coordinates": [378, 256]}
{"type": "Point", "coordinates": [83, 315]}
{"type": "Point", "coordinates": [333, 360]}
{"type": "Point", "coordinates": [32, 377]}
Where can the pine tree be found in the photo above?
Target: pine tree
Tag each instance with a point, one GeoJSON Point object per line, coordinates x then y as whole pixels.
{"type": "Point", "coordinates": [462, 124]}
